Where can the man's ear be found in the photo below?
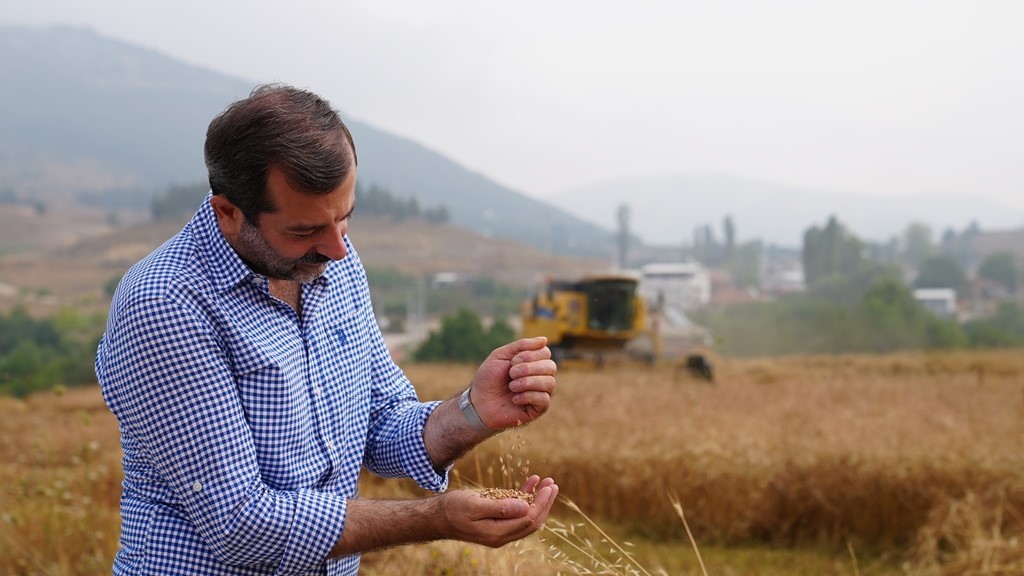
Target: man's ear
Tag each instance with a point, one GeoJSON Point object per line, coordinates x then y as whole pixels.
{"type": "Point", "coordinates": [229, 216]}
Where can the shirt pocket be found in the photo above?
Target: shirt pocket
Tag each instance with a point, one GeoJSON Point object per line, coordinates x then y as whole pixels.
{"type": "Point", "coordinates": [273, 389]}
{"type": "Point", "coordinates": [347, 354]}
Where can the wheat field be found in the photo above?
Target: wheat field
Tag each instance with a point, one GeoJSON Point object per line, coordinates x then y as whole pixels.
{"type": "Point", "coordinates": [903, 464]}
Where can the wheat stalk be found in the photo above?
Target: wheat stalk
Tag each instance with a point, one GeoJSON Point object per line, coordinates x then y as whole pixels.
{"type": "Point", "coordinates": [679, 510]}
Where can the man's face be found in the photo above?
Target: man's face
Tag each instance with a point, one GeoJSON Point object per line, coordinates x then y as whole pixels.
{"type": "Point", "coordinates": [296, 241]}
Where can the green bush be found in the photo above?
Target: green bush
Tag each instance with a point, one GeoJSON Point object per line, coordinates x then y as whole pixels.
{"type": "Point", "coordinates": [840, 316]}
{"type": "Point", "coordinates": [463, 338]}
{"type": "Point", "coordinates": [393, 292]}
{"type": "Point", "coordinates": [1004, 328]}
{"type": "Point", "coordinates": [38, 354]}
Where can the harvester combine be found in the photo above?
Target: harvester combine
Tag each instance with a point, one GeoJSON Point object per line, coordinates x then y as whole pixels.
{"type": "Point", "coordinates": [603, 318]}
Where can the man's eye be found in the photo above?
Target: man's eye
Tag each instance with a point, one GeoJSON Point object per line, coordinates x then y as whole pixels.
{"type": "Point", "coordinates": [301, 234]}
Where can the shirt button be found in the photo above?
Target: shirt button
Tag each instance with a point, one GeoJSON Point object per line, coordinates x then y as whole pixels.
{"type": "Point", "coordinates": [197, 486]}
{"type": "Point", "coordinates": [330, 444]}
{"type": "Point", "coordinates": [319, 391]}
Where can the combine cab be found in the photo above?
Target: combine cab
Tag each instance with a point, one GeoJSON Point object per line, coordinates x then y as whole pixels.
{"type": "Point", "coordinates": [592, 316]}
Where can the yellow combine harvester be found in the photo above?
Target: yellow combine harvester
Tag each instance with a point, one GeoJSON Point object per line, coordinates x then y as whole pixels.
{"type": "Point", "coordinates": [590, 317]}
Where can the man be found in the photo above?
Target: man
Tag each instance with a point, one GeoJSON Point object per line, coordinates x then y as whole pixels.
{"type": "Point", "coordinates": [251, 382]}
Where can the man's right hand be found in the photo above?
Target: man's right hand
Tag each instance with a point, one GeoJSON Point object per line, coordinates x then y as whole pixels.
{"type": "Point", "coordinates": [457, 515]}
{"type": "Point", "coordinates": [494, 523]}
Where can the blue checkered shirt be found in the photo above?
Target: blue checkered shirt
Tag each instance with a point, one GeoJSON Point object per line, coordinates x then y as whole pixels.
{"type": "Point", "coordinates": [244, 426]}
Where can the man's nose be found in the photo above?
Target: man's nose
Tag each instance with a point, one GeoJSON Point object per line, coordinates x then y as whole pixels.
{"type": "Point", "coordinates": [333, 243]}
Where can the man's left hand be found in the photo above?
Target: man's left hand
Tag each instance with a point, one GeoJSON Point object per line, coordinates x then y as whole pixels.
{"type": "Point", "coordinates": [514, 384]}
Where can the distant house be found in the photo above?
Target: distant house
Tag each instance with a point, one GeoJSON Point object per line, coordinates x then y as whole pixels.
{"type": "Point", "coordinates": [938, 301]}
{"type": "Point", "coordinates": [680, 285]}
{"type": "Point", "coordinates": [1012, 241]}
{"type": "Point", "coordinates": [445, 279]}
{"type": "Point", "coordinates": [782, 271]}
{"type": "Point", "coordinates": [783, 279]}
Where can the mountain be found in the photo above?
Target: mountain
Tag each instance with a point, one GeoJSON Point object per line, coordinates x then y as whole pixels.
{"type": "Point", "coordinates": [90, 118]}
{"type": "Point", "coordinates": [667, 209]}
{"type": "Point", "coordinates": [473, 201]}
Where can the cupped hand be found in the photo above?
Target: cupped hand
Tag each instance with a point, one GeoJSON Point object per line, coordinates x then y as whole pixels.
{"type": "Point", "coordinates": [473, 518]}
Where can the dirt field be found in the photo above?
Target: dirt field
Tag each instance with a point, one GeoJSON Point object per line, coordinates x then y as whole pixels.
{"type": "Point", "coordinates": [905, 464]}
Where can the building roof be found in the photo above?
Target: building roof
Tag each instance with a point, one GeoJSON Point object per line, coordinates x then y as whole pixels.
{"type": "Point", "coordinates": [671, 268]}
{"type": "Point", "coordinates": [935, 294]}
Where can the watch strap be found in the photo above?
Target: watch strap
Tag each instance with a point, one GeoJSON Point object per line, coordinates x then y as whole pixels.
{"type": "Point", "coordinates": [472, 416]}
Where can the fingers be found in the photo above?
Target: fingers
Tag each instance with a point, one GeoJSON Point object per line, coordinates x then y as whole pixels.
{"type": "Point", "coordinates": [507, 509]}
{"type": "Point", "coordinates": [531, 483]}
{"type": "Point", "coordinates": [532, 380]}
{"type": "Point", "coordinates": [543, 500]}
{"type": "Point", "coordinates": [541, 367]}
{"type": "Point", "coordinates": [514, 385]}
{"type": "Point", "coordinates": [534, 483]}
{"type": "Point", "coordinates": [512, 349]}
{"type": "Point", "coordinates": [531, 355]}
{"type": "Point", "coordinates": [536, 383]}
{"type": "Point", "coordinates": [532, 404]}
{"type": "Point", "coordinates": [532, 376]}
{"type": "Point", "coordinates": [532, 396]}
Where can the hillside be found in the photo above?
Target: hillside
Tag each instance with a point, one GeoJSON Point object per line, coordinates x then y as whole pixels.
{"type": "Point", "coordinates": [87, 118]}
{"type": "Point", "coordinates": [74, 274]}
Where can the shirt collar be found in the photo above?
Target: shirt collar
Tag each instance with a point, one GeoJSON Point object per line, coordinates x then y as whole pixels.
{"type": "Point", "coordinates": [226, 267]}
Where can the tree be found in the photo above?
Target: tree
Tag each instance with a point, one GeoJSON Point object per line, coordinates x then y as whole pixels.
{"type": "Point", "coordinates": [744, 263]}
{"type": "Point", "coordinates": [831, 250]}
{"type": "Point", "coordinates": [887, 252]}
{"type": "Point", "coordinates": [893, 320]}
{"type": "Point", "coordinates": [18, 327]}
{"type": "Point", "coordinates": [848, 290]}
{"type": "Point", "coordinates": [462, 338]}
{"type": "Point", "coordinates": [706, 248]}
{"type": "Point", "coordinates": [110, 286]}
{"type": "Point", "coordinates": [942, 272]}
{"type": "Point", "coordinates": [623, 235]}
{"type": "Point", "coordinates": [178, 201]}
{"type": "Point", "coordinates": [917, 244]}
{"type": "Point", "coordinates": [1001, 267]}
{"type": "Point", "coordinates": [1003, 328]}
{"type": "Point", "coordinates": [379, 201]}
{"type": "Point", "coordinates": [36, 354]}
{"type": "Point", "coordinates": [985, 334]}
{"type": "Point", "coordinates": [437, 215]}
{"type": "Point", "coordinates": [729, 231]}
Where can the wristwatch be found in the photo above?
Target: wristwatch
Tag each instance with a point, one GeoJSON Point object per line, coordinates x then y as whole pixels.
{"type": "Point", "coordinates": [469, 411]}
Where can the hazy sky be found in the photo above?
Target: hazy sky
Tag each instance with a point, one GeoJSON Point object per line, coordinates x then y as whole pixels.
{"type": "Point", "coordinates": [879, 97]}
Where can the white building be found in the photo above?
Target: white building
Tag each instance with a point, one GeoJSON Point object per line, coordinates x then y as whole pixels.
{"type": "Point", "coordinates": [938, 301]}
{"type": "Point", "coordinates": [680, 285]}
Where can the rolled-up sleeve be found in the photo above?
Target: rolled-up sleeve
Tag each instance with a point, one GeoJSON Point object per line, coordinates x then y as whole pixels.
{"type": "Point", "coordinates": [396, 447]}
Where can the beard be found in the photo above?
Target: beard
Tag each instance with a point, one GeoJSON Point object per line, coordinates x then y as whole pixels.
{"type": "Point", "coordinates": [254, 249]}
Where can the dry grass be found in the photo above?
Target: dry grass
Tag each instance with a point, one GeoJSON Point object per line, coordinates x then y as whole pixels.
{"type": "Point", "coordinates": [790, 452]}
{"type": "Point", "coordinates": [913, 457]}
{"type": "Point", "coordinates": [60, 481]}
